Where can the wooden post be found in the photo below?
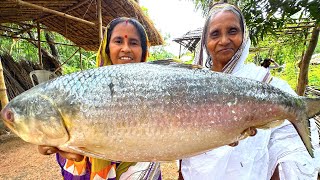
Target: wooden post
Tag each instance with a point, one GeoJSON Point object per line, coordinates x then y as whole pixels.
{"type": "Point", "coordinates": [3, 89]}
{"type": "Point", "coordinates": [180, 51]}
{"type": "Point", "coordinates": [100, 21]}
{"type": "Point", "coordinates": [3, 97]}
{"type": "Point", "coordinates": [39, 45]}
{"type": "Point", "coordinates": [304, 66]}
{"type": "Point", "coordinates": [81, 66]}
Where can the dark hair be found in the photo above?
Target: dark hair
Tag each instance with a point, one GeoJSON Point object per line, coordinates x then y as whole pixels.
{"type": "Point", "coordinates": [266, 62]}
{"type": "Point", "coordinates": [137, 25]}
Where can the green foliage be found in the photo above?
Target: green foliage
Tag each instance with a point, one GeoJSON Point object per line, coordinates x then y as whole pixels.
{"type": "Point", "coordinates": [18, 48]}
{"type": "Point", "coordinates": [159, 52]}
{"type": "Point", "coordinates": [74, 64]}
{"type": "Point", "coordinates": [268, 16]}
{"type": "Point", "coordinates": [285, 51]}
{"type": "Point", "coordinates": [290, 74]}
{"type": "Point", "coordinates": [317, 50]}
{"type": "Point", "coordinates": [314, 75]}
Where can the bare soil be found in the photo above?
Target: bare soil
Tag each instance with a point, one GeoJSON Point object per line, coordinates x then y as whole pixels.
{"type": "Point", "coordinates": [21, 160]}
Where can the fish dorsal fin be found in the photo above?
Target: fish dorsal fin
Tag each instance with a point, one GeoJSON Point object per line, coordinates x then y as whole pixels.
{"type": "Point", "coordinates": [175, 63]}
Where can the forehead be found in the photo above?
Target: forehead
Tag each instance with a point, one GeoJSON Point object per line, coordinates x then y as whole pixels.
{"type": "Point", "coordinates": [125, 28]}
{"type": "Point", "coordinates": [225, 17]}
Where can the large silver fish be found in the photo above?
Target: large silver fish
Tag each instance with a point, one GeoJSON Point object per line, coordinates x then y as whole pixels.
{"type": "Point", "coordinates": [151, 111]}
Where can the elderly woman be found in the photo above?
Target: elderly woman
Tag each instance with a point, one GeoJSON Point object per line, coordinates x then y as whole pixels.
{"type": "Point", "coordinates": [272, 153]}
{"type": "Point", "coordinates": [125, 41]}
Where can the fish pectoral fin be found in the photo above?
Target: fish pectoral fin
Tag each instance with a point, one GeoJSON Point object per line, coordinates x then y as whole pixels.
{"type": "Point", "coordinates": [271, 124]}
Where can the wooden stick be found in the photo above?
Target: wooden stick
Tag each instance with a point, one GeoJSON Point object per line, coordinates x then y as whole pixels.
{"type": "Point", "coordinates": [3, 89]}
{"type": "Point", "coordinates": [100, 21]}
{"type": "Point", "coordinates": [39, 45]}
{"type": "Point", "coordinates": [67, 60]}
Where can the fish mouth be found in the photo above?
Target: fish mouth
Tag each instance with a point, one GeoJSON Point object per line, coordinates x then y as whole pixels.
{"type": "Point", "coordinates": [7, 117]}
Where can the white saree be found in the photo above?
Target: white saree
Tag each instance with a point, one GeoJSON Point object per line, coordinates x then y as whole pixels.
{"type": "Point", "coordinates": [254, 158]}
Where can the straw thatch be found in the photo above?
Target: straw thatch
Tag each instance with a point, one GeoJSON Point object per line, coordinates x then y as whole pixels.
{"type": "Point", "coordinates": [80, 20]}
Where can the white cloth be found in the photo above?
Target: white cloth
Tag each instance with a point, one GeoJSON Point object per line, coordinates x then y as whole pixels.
{"type": "Point", "coordinates": [256, 157]}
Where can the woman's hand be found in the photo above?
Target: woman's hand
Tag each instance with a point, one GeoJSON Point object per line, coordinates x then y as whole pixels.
{"type": "Point", "coordinates": [250, 132]}
{"type": "Point", "coordinates": [47, 150]}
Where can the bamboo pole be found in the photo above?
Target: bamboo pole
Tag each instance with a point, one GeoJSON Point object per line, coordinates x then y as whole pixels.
{"type": "Point", "coordinates": [39, 45]}
{"type": "Point", "coordinates": [3, 97]}
{"type": "Point", "coordinates": [66, 60]}
{"type": "Point", "coordinates": [100, 21]}
{"type": "Point", "coordinates": [81, 66]}
{"type": "Point", "coordinates": [3, 89]}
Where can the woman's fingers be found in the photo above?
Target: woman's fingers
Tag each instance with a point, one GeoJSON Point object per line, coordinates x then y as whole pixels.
{"type": "Point", "coordinates": [71, 156]}
{"type": "Point", "coordinates": [47, 150]}
{"type": "Point", "coordinates": [251, 131]}
{"type": "Point", "coordinates": [234, 144]}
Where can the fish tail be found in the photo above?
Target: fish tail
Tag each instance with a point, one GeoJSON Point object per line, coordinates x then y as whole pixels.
{"type": "Point", "coordinates": [302, 123]}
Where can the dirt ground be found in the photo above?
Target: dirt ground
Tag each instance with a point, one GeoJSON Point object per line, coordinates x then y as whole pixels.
{"type": "Point", "coordinates": [21, 160]}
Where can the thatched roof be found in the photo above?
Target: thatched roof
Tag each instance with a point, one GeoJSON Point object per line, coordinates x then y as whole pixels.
{"type": "Point", "coordinates": [77, 20]}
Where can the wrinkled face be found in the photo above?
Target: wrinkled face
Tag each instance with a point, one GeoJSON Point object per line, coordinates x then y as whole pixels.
{"type": "Point", "coordinates": [125, 44]}
{"type": "Point", "coordinates": [35, 120]}
{"type": "Point", "coordinates": [223, 39]}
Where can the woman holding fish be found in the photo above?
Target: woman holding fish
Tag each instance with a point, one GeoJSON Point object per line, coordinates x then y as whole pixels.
{"type": "Point", "coordinates": [276, 153]}
{"type": "Point", "coordinates": [125, 41]}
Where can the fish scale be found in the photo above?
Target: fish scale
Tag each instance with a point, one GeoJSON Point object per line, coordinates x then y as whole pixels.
{"type": "Point", "coordinates": [155, 111]}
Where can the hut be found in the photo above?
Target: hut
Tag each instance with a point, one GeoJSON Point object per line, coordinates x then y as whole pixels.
{"type": "Point", "coordinates": [189, 40]}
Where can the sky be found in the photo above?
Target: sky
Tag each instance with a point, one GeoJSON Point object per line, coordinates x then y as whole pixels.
{"type": "Point", "coordinates": [174, 17]}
